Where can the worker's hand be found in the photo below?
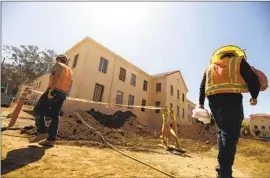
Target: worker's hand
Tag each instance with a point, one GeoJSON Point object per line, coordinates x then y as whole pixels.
{"type": "Point", "coordinates": [50, 94]}
{"type": "Point", "coordinates": [253, 102]}
{"type": "Point", "coordinates": [201, 106]}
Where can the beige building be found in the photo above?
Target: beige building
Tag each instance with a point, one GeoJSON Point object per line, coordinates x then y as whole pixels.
{"type": "Point", "coordinates": [40, 84]}
{"type": "Point", "coordinates": [103, 76]}
{"type": "Point", "coordinates": [260, 123]}
{"type": "Point", "coordinates": [191, 106]}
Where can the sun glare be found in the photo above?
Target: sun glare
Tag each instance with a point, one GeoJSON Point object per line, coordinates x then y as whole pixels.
{"type": "Point", "coordinates": [115, 13]}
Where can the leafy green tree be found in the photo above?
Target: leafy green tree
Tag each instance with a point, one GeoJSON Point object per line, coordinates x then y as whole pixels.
{"type": "Point", "coordinates": [25, 63]}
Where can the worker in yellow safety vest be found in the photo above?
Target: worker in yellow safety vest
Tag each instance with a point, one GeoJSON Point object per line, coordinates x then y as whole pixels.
{"type": "Point", "coordinates": [53, 98]}
{"type": "Point", "coordinates": [227, 76]}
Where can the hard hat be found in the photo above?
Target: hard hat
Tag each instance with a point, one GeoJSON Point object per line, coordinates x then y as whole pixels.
{"type": "Point", "coordinates": [201, 114]}
{"type": "Point", "coordinates": [62, 58]}
{"type": "Point", "coordinates": [227, 49]}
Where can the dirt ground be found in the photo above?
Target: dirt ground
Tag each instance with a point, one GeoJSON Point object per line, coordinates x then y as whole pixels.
{"type": "Point", "coordinates": [70, 159]}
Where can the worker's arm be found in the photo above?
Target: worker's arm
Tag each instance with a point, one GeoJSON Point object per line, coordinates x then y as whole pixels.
{"type": "Point", "coordinates": [202, 92]}
{"type": "Point", "coordinates": [250, 78]}
{"type": "Point", "coordinates": [56, 71]}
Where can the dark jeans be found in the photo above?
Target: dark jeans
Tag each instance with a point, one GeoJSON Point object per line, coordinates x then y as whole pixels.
{"type": "Point", "coordinates": [54, 107]}
{"type": "Point", "coordinates": [228, 114]}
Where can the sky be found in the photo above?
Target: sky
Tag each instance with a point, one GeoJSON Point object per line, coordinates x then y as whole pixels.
{"type": "Point", "coordinates": [155, 36]}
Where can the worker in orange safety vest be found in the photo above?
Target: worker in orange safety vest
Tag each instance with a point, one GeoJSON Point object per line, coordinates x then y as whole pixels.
{"type": "Point", "coordinates": [227, 76]}
{"type": "Point", "coordinates": [53, 98]}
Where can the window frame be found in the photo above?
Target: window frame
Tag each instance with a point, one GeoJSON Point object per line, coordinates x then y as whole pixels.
{"type": "Point", "coordinates": [75, 61]}
{"type": "Point", "coordinates": [124, 75]}
{"type": "Point", "coordinates": [129, 104]}
{"type": "Point", "coordinates": [171, 90]}
{"type": "Point", "coordinates": [95, 97]}
{"type": "Point", "coordinates": [145, 85]}
{"type": "Point", "coordinates": [103, 65]}
{"type": "Point", "coordinates": [158, 84]}
{"type": "Point", "coordinates": [143, 104]}
{"type": "Point", "coordinates": [122, 94]}
{"type": "Point", "coordinates": [133, 83]}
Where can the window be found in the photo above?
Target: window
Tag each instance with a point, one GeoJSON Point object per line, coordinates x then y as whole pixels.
{"type": "Point", "coordinates": [263, 127]}
{"type": "Point", "coordinates": [183, 113]}
{"type": "Point", "coordinates": [70, 87]}
{"type": "Point", "coordinates": [39, 85]}
{"type": "Point", "coordinates": [119, 97]}
{"type": "Point", "coordinates": [157, 104]}
{"type": "Point", "coordinates": [183, 97]}
{"type": "Point", "coordinates": [75, 61]}
{"type": "Point", "coordinates": [130, 100]}
{"type": "Point", "coordinates": [145, 85]}
{"type": "Point", "coordinates": [178, 94]}
{"type": "Point", "coordinates": [178, 111]}
{"type": "Point", "coordinates": [171, 105]}
{"type": "Point", "coordinates": [98, 92]}
{"type": "Point", "coordinates": [133, 79]}
{"type": "Point", "coordinates": [158, 87]}
{"type": "Point", "coordinates": [171, 90]}
{"type": "Point", "coordinates": [103, 65]}
{"type": "Point", "coordinates": [255, 127]}
{"type": "Point", "coordinates": [68, 61]}
{"type": "Point", "coordinates": [122, 74]}
{"type": "Point", "coordinates": [143, 104]}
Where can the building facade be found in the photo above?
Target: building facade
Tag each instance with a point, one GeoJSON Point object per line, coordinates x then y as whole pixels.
{"type": "Point", "coordinates": [103, 76]}
{"type": "Point", "coordinates": [191, 106]}
{"type": "Point", "coordinates": [260, 125]}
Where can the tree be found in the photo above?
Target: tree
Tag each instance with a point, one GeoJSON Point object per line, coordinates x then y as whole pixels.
{"type": "Point", "coordinates": [245, 129]}
{"type": "Point", "coordinates": [24, 64]}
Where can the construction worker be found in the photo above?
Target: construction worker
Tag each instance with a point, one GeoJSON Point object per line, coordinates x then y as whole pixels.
{"type": "Point", "coordinates": [225, 79]}
{"type": "Point", "coordinates": [52, 100]}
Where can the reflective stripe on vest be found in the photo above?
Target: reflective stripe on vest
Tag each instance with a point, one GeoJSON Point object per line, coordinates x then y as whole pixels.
{"type": "Point", "coordinates": [233, 82]}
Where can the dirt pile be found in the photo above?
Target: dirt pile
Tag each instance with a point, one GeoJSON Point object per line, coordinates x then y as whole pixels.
{"type": "Point", "coordinates": [125, 121]}
{"type": "Point", "coordinates": [198, 132]}
{"type": "Point", "coordinates": [122, 133]}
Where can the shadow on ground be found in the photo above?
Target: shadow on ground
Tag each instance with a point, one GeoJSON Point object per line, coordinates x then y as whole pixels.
{"type": "Point", "coordinates": [19, 158]}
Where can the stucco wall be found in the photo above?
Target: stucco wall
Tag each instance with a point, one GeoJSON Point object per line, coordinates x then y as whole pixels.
{"type": "Point", "coordinates": [259, 122]}
{"type": "Point", "coordinates": [86, 75]}
{"type": "Point", "coordinates": [177, 83]}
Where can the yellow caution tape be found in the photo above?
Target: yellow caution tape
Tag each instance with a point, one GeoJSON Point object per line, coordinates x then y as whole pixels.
{"type": "Point", "coordinates": [108, 104]}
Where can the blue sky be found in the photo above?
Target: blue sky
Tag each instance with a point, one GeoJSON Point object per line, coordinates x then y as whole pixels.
{"type": "Point", "coordinates": [155, 36]}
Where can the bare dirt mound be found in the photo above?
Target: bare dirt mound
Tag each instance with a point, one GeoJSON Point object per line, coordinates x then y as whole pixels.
{"type": "Point", "coordinates": [199, 132]}
{"type": "Point", "coordinates": [126, 133]}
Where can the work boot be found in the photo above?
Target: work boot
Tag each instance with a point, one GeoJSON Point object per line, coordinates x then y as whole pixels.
{"type": "Point", "coordinates": [47, 142]}
{"type": "Point", "coordinates": [223, 176]}
{"type": "Point", "coordinates": [38, 138]}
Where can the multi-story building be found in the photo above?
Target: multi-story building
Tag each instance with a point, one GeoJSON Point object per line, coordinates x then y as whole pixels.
{"type": "Point", "coordinates": [260, 125]}
{"type": "Point", "coordinates": [103, 76]}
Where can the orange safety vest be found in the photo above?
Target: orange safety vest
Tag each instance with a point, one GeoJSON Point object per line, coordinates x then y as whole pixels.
{"type": "Point", "coordinates": [224, 76]}
{"type": "Point", "coordinates": [61, 77]}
